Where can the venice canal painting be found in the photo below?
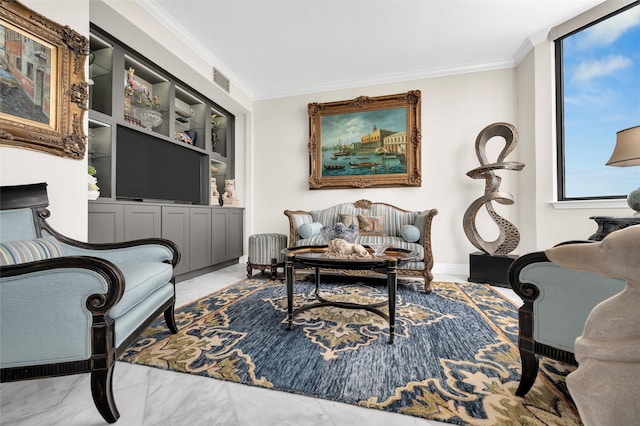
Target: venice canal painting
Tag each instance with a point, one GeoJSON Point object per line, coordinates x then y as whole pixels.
{"type": "Point", "coordinates": [365, 143]}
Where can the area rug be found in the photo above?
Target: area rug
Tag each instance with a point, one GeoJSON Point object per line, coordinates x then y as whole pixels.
{"type": "Point", "coordinates": [454, 358]}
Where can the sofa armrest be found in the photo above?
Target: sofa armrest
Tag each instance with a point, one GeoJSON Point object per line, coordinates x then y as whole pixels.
{"type": "Point", "coordinates": [296, 218]}
{"type": "Point", "coordinates": [557, 301]}
{"type": "Point", "coordinates": [49, 307]}
{"type": "Point", "coordinates": [423, 222]}
{"type": "Point", "coordinates": [141, 250]}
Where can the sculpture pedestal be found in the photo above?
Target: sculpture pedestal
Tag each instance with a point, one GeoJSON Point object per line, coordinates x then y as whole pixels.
{"type": "Point", "coordinates": [484, 268]}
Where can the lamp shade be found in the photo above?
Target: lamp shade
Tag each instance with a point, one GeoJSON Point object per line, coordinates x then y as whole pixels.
{"type": "Point", "coordinates": [627, 150]}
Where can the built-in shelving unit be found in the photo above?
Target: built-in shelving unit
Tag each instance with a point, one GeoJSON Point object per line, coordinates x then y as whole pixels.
{"type": "Point", "coordinates": [156, 144]}
{"type": "Point", "coordinates": [128, 91]}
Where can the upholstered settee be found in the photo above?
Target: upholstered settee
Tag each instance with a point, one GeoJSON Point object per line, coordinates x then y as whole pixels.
{"type": "Point", "coordinates": [377, 222]}
{"type": "Point", "coordinates": [70, 307]}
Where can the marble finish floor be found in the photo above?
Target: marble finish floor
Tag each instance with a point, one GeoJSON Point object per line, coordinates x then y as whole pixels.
{"type": "Point", "coordinates": [149, 396]}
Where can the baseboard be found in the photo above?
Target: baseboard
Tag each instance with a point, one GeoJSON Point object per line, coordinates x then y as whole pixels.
{"type": "Point", "coordinates": [451, 269]}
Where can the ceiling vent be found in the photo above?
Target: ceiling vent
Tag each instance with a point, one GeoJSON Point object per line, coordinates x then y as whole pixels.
{"type": "Point", "coordinates": [220, 79]}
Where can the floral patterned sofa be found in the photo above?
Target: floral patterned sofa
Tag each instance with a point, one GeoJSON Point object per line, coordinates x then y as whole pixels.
{"type": "Point", "coordinates": [377, 222]}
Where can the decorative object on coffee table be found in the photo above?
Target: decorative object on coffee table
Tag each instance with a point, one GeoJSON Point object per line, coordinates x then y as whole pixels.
{"type": "Point", "coordinates": [379, 248]}
{"type": "Point", "coordinates": [339, 230]}
{"type": "Point", "coordinates": [485, 268]}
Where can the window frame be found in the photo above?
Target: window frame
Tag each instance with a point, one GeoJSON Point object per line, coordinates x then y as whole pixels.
{"type": "Point", "coordinates": [559, 100]}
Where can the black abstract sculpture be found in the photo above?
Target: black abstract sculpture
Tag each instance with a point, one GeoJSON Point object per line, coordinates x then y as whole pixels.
{"type": "Point", "coordinates": [509, 237]}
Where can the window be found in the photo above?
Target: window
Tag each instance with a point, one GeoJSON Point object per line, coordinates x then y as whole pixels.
{"type": "Point", "coordinates": [597, 95]}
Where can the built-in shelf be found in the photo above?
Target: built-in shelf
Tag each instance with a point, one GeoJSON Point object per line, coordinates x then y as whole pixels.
{"type": "Point", "coordinates": [149, 130]}
{"type": "Point", "coordinates": [128, 91]}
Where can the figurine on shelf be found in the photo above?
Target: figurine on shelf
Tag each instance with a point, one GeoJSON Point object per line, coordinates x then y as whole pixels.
{"type": "Point", "coordinates": [94, 190]}
{"type": "Point", "coordinates": [215, 126]}
{"type": "Point", "coordinates": [134, 86]}
{"type": "Point", "coordinates": [229, 196]}
{"type": "Point", "coordinates": [215, 195]}
{"type": "Point", "coordinates": [157, 105]}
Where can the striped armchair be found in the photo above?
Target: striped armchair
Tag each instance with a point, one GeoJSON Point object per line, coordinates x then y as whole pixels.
{"type": "Point", "coordinates": [377, 222]}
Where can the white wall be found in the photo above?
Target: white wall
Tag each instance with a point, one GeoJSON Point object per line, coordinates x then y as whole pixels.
{"type": "Point", "coordinates": [541, 224]}
{"type": "Point", "coordinates": [454, 110]}
{"type": "Point", "coordinates": [66, 179]}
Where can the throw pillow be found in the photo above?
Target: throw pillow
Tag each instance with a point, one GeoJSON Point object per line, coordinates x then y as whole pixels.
{"type": "Point", "coordinates": [13, 252]}
{"type": "Point", "coordinates": [410, 233]}
{"type": "Point", "coordinates": [349, 219]}
{"type": "Point", "coordinates": [371, 225]}
{"type": "Point", "coordinates": [308, 230]}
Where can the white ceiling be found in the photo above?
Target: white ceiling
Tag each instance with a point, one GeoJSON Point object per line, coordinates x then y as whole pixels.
{"type": "Point", "coordinates": [275, 48]}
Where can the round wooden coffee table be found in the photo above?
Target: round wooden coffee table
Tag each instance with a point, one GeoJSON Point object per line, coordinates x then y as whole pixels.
{"type": "Point", "coordinates": [316, 257]}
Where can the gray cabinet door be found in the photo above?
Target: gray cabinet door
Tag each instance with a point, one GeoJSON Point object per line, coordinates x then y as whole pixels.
{"type": "Point", "coordinates": [220, 235]}
{"type": "Point", "coordinates": [236, 222]}
{"type": "Point", "coordinates": [199, 237]}
{"type": "Point", "coordinates": [106, 223]}
{"type": "Point", "coordinates": [175, 227]}
{"type": "Point", "coordinates": [142, 222]}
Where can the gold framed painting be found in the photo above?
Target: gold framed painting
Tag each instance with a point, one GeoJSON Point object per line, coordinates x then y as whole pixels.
{"type": "Point", "coordinates": [44, 93]}
{"type": "Point", "coordinates": [365, 142]}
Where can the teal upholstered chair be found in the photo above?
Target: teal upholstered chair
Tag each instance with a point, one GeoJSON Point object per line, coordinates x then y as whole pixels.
{"type": "Point", "coordinates": [70, 307]}
{"type": "Point", "coordinates": [557, 302]}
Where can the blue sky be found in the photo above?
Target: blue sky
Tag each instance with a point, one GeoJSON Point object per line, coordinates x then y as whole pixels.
{"type": "Point", "coordinates": [349, 128]}
{"type": "Point", "coordinates": [601, 97]}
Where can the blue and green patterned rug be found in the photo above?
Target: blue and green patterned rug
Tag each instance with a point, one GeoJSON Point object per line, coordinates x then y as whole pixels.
{"type": "Point", "coordinates": [454, 359]}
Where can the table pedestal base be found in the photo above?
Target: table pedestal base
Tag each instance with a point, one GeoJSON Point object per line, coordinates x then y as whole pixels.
{"type": "Point", "coordinates": [392, 283]}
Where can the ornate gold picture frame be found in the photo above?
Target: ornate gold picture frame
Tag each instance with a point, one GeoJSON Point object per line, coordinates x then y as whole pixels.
{"type": "Point", "coordinates": [44, 93]}
{"type": "Point", "coordinates": [365, 142]}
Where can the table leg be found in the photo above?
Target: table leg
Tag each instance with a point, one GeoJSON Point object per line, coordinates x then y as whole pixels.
{"type": "Point", "coordinates": [317, 278]}
{"type": "Point", "coordinates": [392, 284]}
{"type": "Point", "coordinates": [289, 274]}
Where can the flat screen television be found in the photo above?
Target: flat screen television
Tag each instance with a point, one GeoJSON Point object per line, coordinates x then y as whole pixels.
{"type": "Point", "coordinates": [152, 169]}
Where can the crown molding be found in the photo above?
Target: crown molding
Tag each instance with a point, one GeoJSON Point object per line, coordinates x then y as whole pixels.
{"type": "Point", "coordinates": [529, 44]}
{"type": "Point", "coordinates": [389, 79]}
{"type": "Point", "coordinates": [174, 27]}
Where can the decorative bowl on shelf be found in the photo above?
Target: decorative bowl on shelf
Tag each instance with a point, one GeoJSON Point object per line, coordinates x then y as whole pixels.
{"type": "Point", "coordinates": [148, 118]}
{"type": "Point", "coordinates": [347, 233]}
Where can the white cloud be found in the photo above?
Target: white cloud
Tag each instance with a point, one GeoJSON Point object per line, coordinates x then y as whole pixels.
{"type": "Point", "coordinates": [589, 69]}
{"type": "Point", "coordinates": [608, 31]}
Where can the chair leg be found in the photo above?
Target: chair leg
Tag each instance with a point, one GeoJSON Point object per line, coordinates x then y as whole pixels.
{"type": "Point", "coordinates": [102, 391]}
{"type": "Point", "coordinates": [529, 371]}
{"type": "Point", "coordinates": [170, 319]}
{"type": "Point", "coordinates": [274, 268]}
